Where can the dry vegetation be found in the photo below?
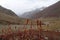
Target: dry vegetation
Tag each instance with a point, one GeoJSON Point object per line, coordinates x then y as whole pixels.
{"type": "Point", "coordinates": [54, 23]}
{"type": "Point", "coordinates": [25, 32]}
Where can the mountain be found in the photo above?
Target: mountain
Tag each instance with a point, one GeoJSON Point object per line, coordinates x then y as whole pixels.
{"type": "Point", "coordinates": [51, 11]}
{"type": "Point", "coordinates": [7, 16]}
{"type": "Point", "coordinates": [7, 11]}
{"type": "Point", "coordinates": [32, 14]}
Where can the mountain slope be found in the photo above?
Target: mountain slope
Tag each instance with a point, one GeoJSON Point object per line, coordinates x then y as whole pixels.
{"type": "Point", "coordinates": [7, 11]}
{"type": "Point", "coordinates": [32, 14]}
{"type": "Point", "coordinates": [8, 17]}
{"type": "Point", "coordinates": [51, 11]}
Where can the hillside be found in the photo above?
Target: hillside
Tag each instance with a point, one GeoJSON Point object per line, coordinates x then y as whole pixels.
{"type": "Point", "coordinates": [8, 17]}
{"type": "Point", "coordinates": [51, 11]}
{"type": "Point", "coordinates": [32, 14]}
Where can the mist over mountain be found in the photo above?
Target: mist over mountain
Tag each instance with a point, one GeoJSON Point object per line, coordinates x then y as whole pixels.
{"type": "Point", "coordinates": [33, 13]}
{"type": "Point", "coordinates": [51, 11]}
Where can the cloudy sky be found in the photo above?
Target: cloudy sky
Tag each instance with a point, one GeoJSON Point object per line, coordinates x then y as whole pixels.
{"type": "Point", "coordinates": [21, 6]}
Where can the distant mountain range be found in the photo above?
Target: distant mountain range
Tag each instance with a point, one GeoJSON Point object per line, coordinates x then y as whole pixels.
{"type": "Point", "coordinates": [51, 11]}
{"type": "Point", "coordinates": [33, 13]}
{"type": "Point", "coordinates": [8, 16]}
